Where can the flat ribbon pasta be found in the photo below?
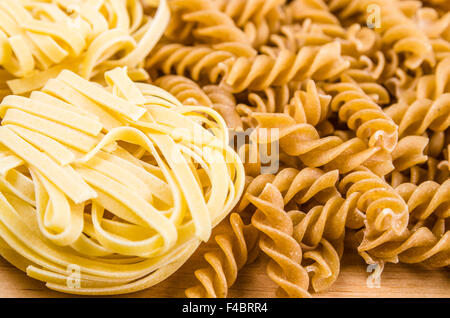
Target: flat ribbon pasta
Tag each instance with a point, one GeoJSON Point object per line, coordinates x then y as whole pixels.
{"type": "Point", "coordinates": [124, 199]}
{"type": "Point", "coordinates": [39, 39]}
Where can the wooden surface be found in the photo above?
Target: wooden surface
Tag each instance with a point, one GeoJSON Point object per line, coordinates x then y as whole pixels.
{"type": "Point", "coordinates": [398, 280]}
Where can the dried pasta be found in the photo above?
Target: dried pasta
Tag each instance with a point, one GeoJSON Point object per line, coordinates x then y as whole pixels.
{"type": "Point", "coordinates": [125, 198]}
{"type": "Point", "coordinates": [284, 268]}
{"type": "Point", "coordinates": [338, 112]}
{"type": "Point", "coordinates": [39, 39]}
{"type": "Point", "coordinates": [237, 247]}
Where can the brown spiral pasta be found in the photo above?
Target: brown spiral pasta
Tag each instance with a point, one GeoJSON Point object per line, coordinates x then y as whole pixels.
{"type": "Point", "coordinates": [225, 103]}
{"type": "Point", "coordinates": [277, 242]}
{"type": "Point", "coordinates": [259, 19]}
{"type": "Point", "coordinates": [409, 152]}
{"type": "Point", "coordinates": [363, 115]}
{"type": "Point", "coordinates": [310, 187]}
{"type": "Point", "coordinates": [203, 21]}
{"type": "Point", "coordinates": [428, 245]}
{"type": "Point", "coordinates": [321, 260]}
{"type": "Point", "coordinates": [184, 89]}
{"type": "Point", "coordinates": [283, 66]}
{"type": "Point", "coordinates": [237, 247]}
{"type": "Point", "coordinates": [332, 152]}
{"type": "Point", "coordinates": [196, 61]}
{"type": "Point", "coordinates": [359, 115]}
{"type": "Point", "coordinates": [426, 199]}
{"type": "Point", "coordinates": [386, 212]}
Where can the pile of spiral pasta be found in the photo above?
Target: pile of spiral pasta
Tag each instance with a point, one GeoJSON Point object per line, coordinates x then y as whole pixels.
{"type": "Point", "coordinates": [114, 149]}
{"type": "Point", "coordinates": [362, 109]}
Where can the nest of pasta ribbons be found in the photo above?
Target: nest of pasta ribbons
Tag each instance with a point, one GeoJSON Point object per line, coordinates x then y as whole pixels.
{"type": "Point", "coordinates": [119, 184]}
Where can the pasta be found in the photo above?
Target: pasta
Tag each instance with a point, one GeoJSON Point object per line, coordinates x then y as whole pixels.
{"type": "Point", "coordinates": [363, 115]}
{"type": "Point", "coordinates": [285, 252]}
{"type": "Point", "coordinates": [386, 212]}
{"type": "Point", "coordinates": [237, 249]}
{"type": "Point", "coordinates": [338, 112]}
{"type": "Point", "coordinates": [185, 90]}
{"type": "Point", "coordinates": [304, 141]}
{"type": "Point", "coordinates": [40, 39]}
{"type": "Point", "coordinates": [225, 104]}
{"type": "Point", "coordinates": [126, 205]}
{"type": "Point", "coordinates": [211, 25]}
{"type": "Point", "coordinates": [282, 66]}
{"type": "Point", "coordinates": [426, 199]}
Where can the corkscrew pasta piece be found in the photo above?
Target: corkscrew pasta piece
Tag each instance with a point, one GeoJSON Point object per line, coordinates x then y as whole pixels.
{"type": "Point", "coordinates": [41, 39]}
{"type": "Point", "coordinates": [204, 20]}
{"type": "Point", "coordinates": [237, 246]}
{"type": "Point", "coordinates": [184, 89]}
{"type": "Point", "coordinates": [259, 72]}
{"type": "Point", "coordinates": [310, 228]}
{"type": "Point", "coordinates": [428, 245]}
{"type": "Point", "coordinates": [197, 61]}
{"type": "Point", "coordinates": [425, 114]}
{"type": "Point", "coordinates": [409, 152]}
{"type": "Point", "coordinates": [434, 85]}
{"type": "Point", "coordinates": [386, 212]}
{"type": "Point", "coordinates": [321, 231]}
{"type": "Point", "coordinates": [306, 184]}
{"type": "Point", "coordinates": [331, 152]}
{"type": "Point", "coordinates": [426, 199]}
{"type": "Point", "coordinates": [322, 261]}
{"type": "Point", "coordinates": [309, 106]}
{"type": "Point", "coordinates": [270, 100]}
{"type": "Point", "coordinates": [284, 267]}
{"type": "Point", "coordinates": [258, 19]}
{"type": "Point", "coordinates": [363, 115]}
{"type": "Point", "coordinates": [134, 200]}
{"type": "Point", "coordinates": [225, 104]}
{"type": "Point", "coordinates": [305, 187]}
{"type": "Point", "coordinates": [397, 30]}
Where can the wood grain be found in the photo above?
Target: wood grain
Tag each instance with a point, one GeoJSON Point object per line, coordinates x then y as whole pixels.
{"type": "Point", "coordinates": [398, 280]}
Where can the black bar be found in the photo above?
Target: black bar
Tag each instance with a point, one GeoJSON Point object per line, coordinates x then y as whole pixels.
{"type": "Point", "coordinates": [135, 307]}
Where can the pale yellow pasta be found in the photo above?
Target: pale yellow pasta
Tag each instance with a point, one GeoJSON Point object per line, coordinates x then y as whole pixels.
{"type": "Point", "coordinates": [125, 205]}
{"type": "Point", "coordinates": [39, 39]}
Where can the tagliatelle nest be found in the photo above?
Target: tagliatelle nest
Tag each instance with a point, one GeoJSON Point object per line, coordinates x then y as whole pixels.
{"type": "Point", "coordinates": [107, 181]}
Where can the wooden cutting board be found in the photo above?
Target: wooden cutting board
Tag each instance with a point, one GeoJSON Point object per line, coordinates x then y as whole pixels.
{"type": "Point", "coordinates": [397, 280]}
